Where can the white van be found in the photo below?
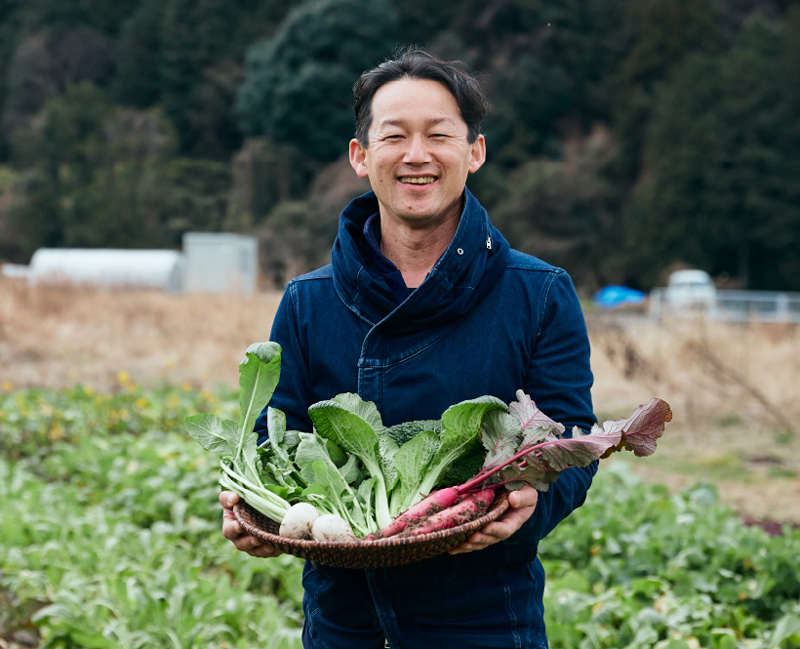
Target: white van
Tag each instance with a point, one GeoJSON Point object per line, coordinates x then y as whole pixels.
{"type": "Point", "coordinates": [691, 288]}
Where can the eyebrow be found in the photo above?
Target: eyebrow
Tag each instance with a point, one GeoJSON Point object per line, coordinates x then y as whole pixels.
{"type": "Point", "coordinates": [434, 122]}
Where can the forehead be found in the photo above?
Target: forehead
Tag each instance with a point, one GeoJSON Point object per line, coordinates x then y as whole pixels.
{"type": "Point", "coordinates": [414, 101]}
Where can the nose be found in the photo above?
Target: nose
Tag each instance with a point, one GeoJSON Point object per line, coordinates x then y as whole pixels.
{"type": "Point", "coordinates": [417, 151]}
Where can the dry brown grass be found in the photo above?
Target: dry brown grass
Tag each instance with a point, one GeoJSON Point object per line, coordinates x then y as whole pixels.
{"type": "Point", "coordinates": [733, 388]}
{"type": "Point", "coordinates": [58, 336]}
{"type": "Point", "coordinates": [705, 369]}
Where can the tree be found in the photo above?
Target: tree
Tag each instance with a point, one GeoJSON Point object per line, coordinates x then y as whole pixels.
{"type": "Point", "coordinates": [668, 32]}
{"type": "Point", "coordinates": [137, 56]}
{"type": "Point", "coordinates": [94, 175]}
{"type": "Point", "coordinates": [723, 154]}
{"type": "Point", "coordinates": [49, 61]}
{"type": "Point", "coordinates": [297, 83]}
{"type": "Point", "coordinates": [202, 45]}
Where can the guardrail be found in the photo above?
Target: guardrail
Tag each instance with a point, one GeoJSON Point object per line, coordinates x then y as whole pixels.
{"type": "Point", "coordinates": [733, 306]}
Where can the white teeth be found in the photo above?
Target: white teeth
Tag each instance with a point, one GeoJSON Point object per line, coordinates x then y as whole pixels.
{"type": "Point", "coordinates": [424, 180]}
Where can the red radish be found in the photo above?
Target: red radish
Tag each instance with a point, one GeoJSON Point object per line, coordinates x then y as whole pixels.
{"type": "Point", "coordinates": [467, 509]}
{"type": "Point", "coordinates": [435, 502]}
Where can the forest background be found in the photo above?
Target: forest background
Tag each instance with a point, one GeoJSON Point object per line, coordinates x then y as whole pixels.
{"type": "Point", "coordinates": [626, 137]}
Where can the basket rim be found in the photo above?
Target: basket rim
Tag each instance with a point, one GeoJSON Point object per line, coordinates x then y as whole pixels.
{"type": "Point", "coordinates": [240, 510]}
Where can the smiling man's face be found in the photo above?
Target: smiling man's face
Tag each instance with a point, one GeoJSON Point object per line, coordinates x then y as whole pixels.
{"type": "Point", "coordinates": [418, 156]}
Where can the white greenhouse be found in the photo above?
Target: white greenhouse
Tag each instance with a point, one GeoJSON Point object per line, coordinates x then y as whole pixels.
{"type": "Point", "coordinates": [159, 269]}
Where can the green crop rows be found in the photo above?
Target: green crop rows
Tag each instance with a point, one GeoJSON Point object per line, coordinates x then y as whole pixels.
{"type": "Point", "coordinates": [109, 537]}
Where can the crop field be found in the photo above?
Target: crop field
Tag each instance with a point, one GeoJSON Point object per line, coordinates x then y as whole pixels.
{"type": "Point", "coordinates": [109, 525]}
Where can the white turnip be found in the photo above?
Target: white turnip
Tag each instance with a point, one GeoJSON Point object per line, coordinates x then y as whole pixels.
{"type": "Point", "coordinates": [330, 527]}
{"type": "Point", "coordinates": [298, 521]}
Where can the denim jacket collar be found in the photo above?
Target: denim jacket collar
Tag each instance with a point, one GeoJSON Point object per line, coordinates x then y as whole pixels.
{"type": "Point", "coordinates": [466, 271]}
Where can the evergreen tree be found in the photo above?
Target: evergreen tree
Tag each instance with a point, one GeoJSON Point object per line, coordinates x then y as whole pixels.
{"type": "Point", "coordinates": [202, 46]}
{"type": "Point", "coordinates": [668, 32]}
{"type": "Point", "coordinates": [137, 56]}
{"type": "Point", "coordinates": [297, 83]}
{"type": "Point", "coordinates": [95, 175]}
{"type": "Point", "coordinates": [724, 156]}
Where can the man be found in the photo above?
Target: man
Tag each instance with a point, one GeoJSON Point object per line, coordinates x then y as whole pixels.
{"type": "Point", "coordinates": [425, 305]}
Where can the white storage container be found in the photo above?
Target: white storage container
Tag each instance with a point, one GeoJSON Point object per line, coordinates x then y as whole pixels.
{"type": "Point", "coordinates": [220, 262]}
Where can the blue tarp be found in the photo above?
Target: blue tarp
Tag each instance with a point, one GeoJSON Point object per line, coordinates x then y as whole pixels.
{"type": "Point", "coordinates": [610, 297]}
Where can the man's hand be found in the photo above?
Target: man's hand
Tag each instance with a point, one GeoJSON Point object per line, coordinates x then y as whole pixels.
{"type": "Point", "coordinates": [233, 531]}
{"type": "Point", "coordinates": [522, 503]}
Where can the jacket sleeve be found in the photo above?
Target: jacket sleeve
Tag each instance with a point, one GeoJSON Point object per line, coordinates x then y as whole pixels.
{"type": "Point", "coordinates": [292, 392]}
{"type": "Point", "coordinates": [560, 381]}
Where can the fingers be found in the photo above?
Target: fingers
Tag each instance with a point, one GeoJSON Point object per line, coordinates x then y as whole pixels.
{"type": "Point", "coordinates": [236, 534]}
{"type": "Point", "coordinates": [525, 497]}
{"type": "Point", "coordinates": [522, 504]}
{"type": "Point", "coordinates": [228, 499]}
{"type": "Point", "coordinates": [255, 547]}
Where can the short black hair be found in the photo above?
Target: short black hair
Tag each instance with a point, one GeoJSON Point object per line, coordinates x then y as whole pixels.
{"type": "Point", "coordinates": [418, 64]}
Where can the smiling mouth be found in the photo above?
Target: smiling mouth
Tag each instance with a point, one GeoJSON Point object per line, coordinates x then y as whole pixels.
{"type": "Point", "coordinates": [417, 180]}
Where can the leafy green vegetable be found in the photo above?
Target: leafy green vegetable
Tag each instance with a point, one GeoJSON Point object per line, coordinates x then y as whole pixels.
{"type": "Point", "coordinates": [351, 465]}
{"type": "Point", "coordinates": [401, 433]}
{"type": "Point", "coordinates": [235, 444]}
{"type": "Point", "coordinates": [353, 424]}
{"type": "Point", "coordinates": [461, 428]}
{"type": "Point", "coordinates": [412, 462]}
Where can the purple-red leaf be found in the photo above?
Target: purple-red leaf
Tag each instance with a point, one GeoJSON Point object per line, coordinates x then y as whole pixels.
{"type": "Point", "coordinates": [534, 424]}
{"type": "Point", "coordinates": [580, 450]}
{"type": "Point", "coordinates": [540, 462]}
{"type": "Point", "coordinates": [642, 429]}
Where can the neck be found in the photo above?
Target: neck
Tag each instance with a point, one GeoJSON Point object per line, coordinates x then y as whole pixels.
{"type": "Point", "coordinates": [415, 250]}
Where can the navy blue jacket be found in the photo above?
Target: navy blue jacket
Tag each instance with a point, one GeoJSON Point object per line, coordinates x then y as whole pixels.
{"type": "Point", "coordinates": [487, 320]}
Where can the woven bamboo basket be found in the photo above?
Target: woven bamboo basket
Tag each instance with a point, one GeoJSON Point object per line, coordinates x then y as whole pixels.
{"type": "Point", "coordinates": [382, 553]}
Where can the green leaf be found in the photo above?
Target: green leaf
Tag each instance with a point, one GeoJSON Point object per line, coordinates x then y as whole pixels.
{"type": "Point", "coordinates": [461, 427]}
{"type": "Point", "coordinates": [411, 462]}
{"type": "Point", "coordinates": [347, 428]}
{"type": "Point", "coordinates": [310, 449]}
{"type": "Point", "coordinates": [461, 424]}
{"type": "Point", "coordinates": [350, 471]}
{"type": "Point", "coordinates": [787, 628]}
{"type": "Point", "coordinates": [217, 435]}
{"type": "Point", "coordinates": [338, 456]}
{"type": "Point", "coordinates": [366, 410]}
{"type": "Point", "coordinates": [341, 496]}
{"type": "Point", "coordinates": [500, 436]}
{"type": "Point", "coordinates": [276, 423]}
{"type": "Point", "coordinates": [259, 372]}
{"type": "Point", "coordinates": [403, 432]}
{"type": "Point", "coordinates": [388, 448]}
{"type": "Point", "coordinates": [351, 423]}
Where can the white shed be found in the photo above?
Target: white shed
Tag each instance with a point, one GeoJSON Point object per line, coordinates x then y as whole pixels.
{"type": "Point", "coordinates": [220, 262]}
{"type": "Point", "coordinates": [161, 269]}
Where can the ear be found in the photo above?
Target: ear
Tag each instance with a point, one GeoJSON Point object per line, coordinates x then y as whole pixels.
{"type": "Point", "coordinates": [358, 158]}
{"type": "Point", "coordinates": [477, 154]}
